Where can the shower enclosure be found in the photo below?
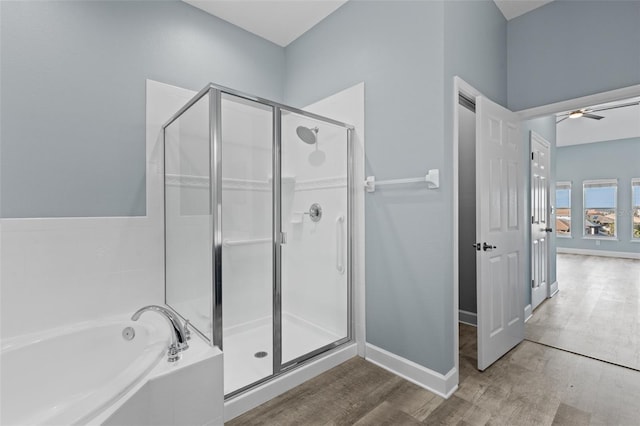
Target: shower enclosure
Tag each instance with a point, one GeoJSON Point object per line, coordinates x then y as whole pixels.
{"type": "Point", "coordinates": [258, 231]}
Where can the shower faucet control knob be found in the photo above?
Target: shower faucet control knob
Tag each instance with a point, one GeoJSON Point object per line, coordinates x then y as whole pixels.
{"type": "Point", "coordinates": [315, 212]}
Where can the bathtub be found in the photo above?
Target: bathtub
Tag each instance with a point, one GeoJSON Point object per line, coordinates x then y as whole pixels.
{"type": "Point", "coordinates": [69, 375]}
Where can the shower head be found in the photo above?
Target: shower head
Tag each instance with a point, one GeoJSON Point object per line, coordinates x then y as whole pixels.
{"type": "Point", "coordinates": [307, 135]}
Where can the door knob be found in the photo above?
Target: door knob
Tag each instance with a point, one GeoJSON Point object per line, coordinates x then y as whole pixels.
{"type": "Point", "coordinates": [548, 229]}
{"type": "Point", "coordinates": [477, 246]}
{"type": "Point", "coordinates": [486, 247]}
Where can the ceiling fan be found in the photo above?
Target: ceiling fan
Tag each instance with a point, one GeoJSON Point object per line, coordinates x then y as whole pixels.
{"type": "Point", "coordinates": [587, 112]}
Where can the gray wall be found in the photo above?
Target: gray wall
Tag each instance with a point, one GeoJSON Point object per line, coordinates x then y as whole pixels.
{"type": "Point", "coordinates": [73, 111]}
{"type": "Point", "coordinates": [475, 50]}
{"type": "Point", "coordinates": [568, 49]}
{"type": "Point", "coordinates": [398, 49]}
{"type": "Point", "coordinates": [73, 95]}
{"type": "Point", "coordinates": [601, 160]}
{"type": "Point", "coordinates": [545, 127]}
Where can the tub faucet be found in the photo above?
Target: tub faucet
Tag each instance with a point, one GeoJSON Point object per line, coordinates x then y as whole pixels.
{"type": "Point", "coordinates": [179, 335]}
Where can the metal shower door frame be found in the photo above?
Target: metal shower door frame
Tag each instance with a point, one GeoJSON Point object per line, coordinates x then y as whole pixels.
{"type": "Point", "coordinates": [215, 93]}
{"type": "Point", "coordinates": [278, 366]}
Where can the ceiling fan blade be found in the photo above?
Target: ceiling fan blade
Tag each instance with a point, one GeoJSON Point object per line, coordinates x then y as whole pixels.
{"type": "Point", "coordinates": [595, 117]}
{"type": "Point", "coordinates": [615, 106]}
{"type": "Point", "coordinates": [562, 119]}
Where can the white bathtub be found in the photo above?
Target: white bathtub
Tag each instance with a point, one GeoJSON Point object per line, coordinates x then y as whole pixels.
{"type": "Point", "coordinates": [69, 375]}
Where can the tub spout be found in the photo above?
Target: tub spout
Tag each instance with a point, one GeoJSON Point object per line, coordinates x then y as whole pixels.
{"type": "Point", "coordinates": [179, 335]}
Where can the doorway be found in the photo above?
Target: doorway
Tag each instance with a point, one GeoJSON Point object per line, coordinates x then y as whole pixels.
{"type": "Point", "coordinates": [489, 254]}
{"type": "Point", "coordinates": [462, 293]}
{"type": "Point", "coordinates": [468, 311]}
{"type": "Point", "coordinates": [597, 262]}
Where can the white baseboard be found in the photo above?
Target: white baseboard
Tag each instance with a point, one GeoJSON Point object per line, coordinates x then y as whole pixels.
{"type": "Point", "coordinates": [469, 318]}
{"type": "Point", "coordinates": [443, 385]}
{"type": "Point", "coordinates": [528, 312]}
{"type": "Point", "coordinates": [269, 390]}
{"type": "Point", "coordinates": [553, 289]}
{"type": "Point", "coordinates": [603, 253]}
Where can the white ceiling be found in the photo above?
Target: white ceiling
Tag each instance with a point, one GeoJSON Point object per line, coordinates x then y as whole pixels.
{"type": "Point", "coordinates": [279, 21]}
{"type": "Point", "coordinates": [620, 123]}
{"type": "Point", "coordinates": [283, 21]}
{"type": "Point", "coordinates": [514, 8]}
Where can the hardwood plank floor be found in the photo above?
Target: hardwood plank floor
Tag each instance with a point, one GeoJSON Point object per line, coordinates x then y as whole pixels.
{"type": "Point", "coordinates": [532, 385]}
{"type": "Point", "coordinates": [596, 312]}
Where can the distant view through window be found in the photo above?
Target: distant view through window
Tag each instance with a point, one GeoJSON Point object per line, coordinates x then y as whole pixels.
{"type": "Point", "coordinates": [600, 208]}
{"type": "Point", "coordinates": [563, 209]}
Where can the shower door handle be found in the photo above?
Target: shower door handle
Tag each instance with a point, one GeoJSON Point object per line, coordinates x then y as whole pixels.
{"type": "Point", "coordinates": [339, 244]}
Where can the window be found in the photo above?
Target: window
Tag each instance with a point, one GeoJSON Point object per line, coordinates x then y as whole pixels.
{"type": "Point", "coordinates": [635, 208]}
{"type": "Point", "coordinates": [600, 202]}
{"type": "Point", "coordinates": [563, 209]}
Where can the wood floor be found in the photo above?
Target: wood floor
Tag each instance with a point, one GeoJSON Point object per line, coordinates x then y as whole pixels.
{"type": "Point", "coordinates": [597, 311]}
{"type": "Point", "coordinates": [534, 384]}
{"type": "Point", "coordinates": [531, 385]}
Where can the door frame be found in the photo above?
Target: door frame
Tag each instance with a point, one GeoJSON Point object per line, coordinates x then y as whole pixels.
{"type": "Point", "coordinates": [461, 86]}
{"type": "Point", "coordinates": [567, 105]}
{"type": "Point", "coordinates": [597, 98]}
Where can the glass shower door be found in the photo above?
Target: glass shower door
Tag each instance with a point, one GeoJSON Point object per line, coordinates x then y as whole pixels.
{"type": "Point", "coordinates": [257, 231]}
{"type": "Point", "coordinates": [247, 241]}
{"type": "Point", "coordinates": [314, 212]}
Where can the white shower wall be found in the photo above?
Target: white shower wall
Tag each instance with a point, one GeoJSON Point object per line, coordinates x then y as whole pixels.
{"type": "Point", "coordinates": [313, 289]}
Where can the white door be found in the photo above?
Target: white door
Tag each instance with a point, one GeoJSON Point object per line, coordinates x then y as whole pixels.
{"type": "Point", "coordinates": [499, 230]}
{"type": "Point", "coordinates": [540, 224]}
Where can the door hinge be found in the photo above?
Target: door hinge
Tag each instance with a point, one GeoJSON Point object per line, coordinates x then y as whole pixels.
{"type": "Point", "coordinates": [283, 238]}
{"type": "Point", "coordinates": [533, 283]}
{"type": "Point", "coordinates": [532, 155]}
